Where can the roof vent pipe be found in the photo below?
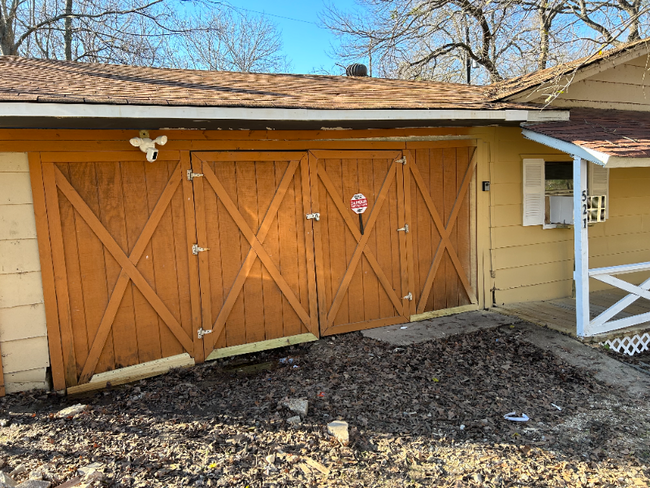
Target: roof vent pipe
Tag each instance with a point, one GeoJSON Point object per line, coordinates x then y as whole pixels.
{"type": "Point", "coordinates": [356, 69]}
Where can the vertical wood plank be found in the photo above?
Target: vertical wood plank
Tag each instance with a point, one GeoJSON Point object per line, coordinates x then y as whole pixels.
{"type": "Point", "coordinates": [269, 175]}
{"type": "Point", "coordinates": [68, 218]}
{"type": "Point", "coordinates": [408, 218]}
{"type": "Point", "coordinates": [247, 203]}
{"type": "Point", "coordinates": [430, 164]}
{"type": "Point", "coordinates": [92, 259]}
{"type": "Point", "coordinates": [60, 276]}
{"type": "Point", "coordinates": [211, 215]}
{"type": "Point", "coordinates": [112, 215]}
{"type": "Point", "coordinates": [374, 295]}
{"type": "Point", "coordinates": [403, 261]}
{"type": "Point", "coordinates": [392, 258]}
{"type": "Point", "coordinates": [322, 280]}
{"type": "Point", "coordinates": [308, 205]}
{"type": "Point", "coordinates": [451, 194]}
{"type": "Point", "coordinates": [292, 253]}
{"type": "Point", "coordinates": [353, 173]}
{"type": "Point", "coordinates": [181, 253]}
{"type": "Point", "coordinates": [138, 211]}
{"type": "Point", "coordinates": [47, 275]}
{"type": "Point", "coordinates": [341, 252]}
{"type": "Point", "coordinates": [164, 276]}
{"type": "Point", "coordinates": [437, 192]}
{"type": "Point", "coordinates": [233, 241]}
{"type": "Point", "coordinates": [462, 221]}
{"type": "Point", "coordinates": [197, 273]}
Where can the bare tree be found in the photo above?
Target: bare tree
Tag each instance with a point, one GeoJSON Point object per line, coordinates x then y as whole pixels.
{"type": "Point", "coordinates": [447, 39]}
{"type": "Point", "coordinates": [232, 42]}
{"type": "Point", "coordinates": [22, 21]}
{"type": "Point", "coordinates": [141, 32]}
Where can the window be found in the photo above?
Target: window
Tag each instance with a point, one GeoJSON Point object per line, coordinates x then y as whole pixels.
{"type": "Point", "coordinates": [548, 192]}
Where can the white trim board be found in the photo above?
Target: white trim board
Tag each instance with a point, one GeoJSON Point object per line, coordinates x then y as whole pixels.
{"type": "Point", "coordinates": [597, 157]}
{"type": "Point", "coordinates": [102, 111]}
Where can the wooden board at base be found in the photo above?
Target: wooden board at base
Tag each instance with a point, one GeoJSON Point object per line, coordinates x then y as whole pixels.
{"type": "Point", "coordinates": [261, 346]}
{"type": "Point", "coordinates": [133, 373]}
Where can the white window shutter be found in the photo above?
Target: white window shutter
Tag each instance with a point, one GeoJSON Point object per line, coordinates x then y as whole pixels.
{"type": "Point", "coordinates": [534, 207]}
{"type": "Point", "coordinates": [598, 183]}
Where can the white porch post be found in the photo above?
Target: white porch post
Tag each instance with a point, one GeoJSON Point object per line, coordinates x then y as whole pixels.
{"type": "Point", "coordinates": [581, 245]}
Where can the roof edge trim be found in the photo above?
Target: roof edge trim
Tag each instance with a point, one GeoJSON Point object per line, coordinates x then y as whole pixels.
{"type": "Point", "coordinates": [66, 110]}
{"type": "Point", "coordinates": [589, 68]}
{"type": "Point", "coordinates": [567, 147]}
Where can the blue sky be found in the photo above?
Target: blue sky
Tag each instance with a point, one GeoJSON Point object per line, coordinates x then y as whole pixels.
{"type": "Point", "coordinates": [304, 42]}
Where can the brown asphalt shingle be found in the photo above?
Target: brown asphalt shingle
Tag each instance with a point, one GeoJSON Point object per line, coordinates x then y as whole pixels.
{"type": "Point", "coordinates": [65, 82]}
{"type": "Point", "coordinates": [613, 132]}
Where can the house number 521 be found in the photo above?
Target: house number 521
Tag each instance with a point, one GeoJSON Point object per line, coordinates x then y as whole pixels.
{"type": "Point", "coordinates": [584, 209]}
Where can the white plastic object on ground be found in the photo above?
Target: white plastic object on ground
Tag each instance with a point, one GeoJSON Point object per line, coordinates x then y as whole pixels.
{"type": "Point", "coordinates": [511, 416]}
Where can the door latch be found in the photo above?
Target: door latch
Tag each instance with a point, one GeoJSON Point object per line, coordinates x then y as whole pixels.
{"type": "Point", "coordinates": [404, 229]}
{"type": "Point", "coordinates": [401, 160]}
{"type": "Point", "coordinates": [202, 332]}
{"type": "Point", "coordinates": [191, 176]}
{"type": "Point", "coordinates": [408, 297]}
{"type": "Point", "coordinates": [315, 216]}
{"type": "Point", "coordinates": [196, 249]}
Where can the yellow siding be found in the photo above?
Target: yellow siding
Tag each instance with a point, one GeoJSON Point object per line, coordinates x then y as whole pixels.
{"type": "Point", "coordinates": [626, 87]}
{"type": "Point", "coordinates": [531, 263]}
{"type": "Point", "coordinates": [23, 335]}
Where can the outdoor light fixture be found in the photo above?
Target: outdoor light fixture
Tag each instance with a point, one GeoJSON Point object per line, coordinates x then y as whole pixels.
{"type": "Point", "coordinates": [148, 146]}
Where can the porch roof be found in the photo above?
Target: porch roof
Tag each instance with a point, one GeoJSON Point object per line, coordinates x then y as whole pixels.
{"type": "Point", "coordinates": [612, 138]}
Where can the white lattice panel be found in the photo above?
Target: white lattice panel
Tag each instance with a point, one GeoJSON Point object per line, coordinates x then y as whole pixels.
{"type": "Point", "coordinates": [630, 345]}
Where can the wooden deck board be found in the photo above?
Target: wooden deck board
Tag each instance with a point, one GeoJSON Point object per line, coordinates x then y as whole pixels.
{"type": "Point", "coordinates": [559, 314]}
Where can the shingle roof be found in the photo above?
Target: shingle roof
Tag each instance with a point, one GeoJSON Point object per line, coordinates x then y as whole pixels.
{"type": "Point", "coordinates": [612, 132]}
{"type": "Point", "coordinates": [33, 80]}
{"type": "Point", "coordinates": [508, 88]}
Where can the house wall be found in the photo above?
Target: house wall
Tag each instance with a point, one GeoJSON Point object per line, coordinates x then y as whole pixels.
{"type": "Point", "coordinates": [531, 263]}
{"type": "Point", "coordinates": [625, 87]}
{"type": "Point", "coordinates": [23, 335]}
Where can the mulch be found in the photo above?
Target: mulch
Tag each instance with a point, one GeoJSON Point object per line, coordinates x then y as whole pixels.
{"type": "Point", "coordinates": [430, 414]}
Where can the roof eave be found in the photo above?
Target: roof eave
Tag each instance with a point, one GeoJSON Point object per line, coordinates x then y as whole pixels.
{"type": "Point", "coordinates": [30, 110]}
{"type": "Point", "coordinates": [600, 158]}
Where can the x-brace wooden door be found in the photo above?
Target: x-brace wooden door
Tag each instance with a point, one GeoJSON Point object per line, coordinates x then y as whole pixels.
{"type": "Point", "coordinates": [256, 259]}
{"type": "Point", "coordinates": [362, 277]}
{"type": "Point", "coordinates": [121, 232]}
{"type": "Point", "coordinates": [442, 264]}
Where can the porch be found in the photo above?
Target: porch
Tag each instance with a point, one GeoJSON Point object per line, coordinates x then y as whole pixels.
{"type": "Point", "coordinates": [560, 314]}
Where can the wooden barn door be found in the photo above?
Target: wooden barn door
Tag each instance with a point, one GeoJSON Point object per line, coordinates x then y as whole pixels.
{"type": "Point", "coordinates": [361, 276]}
{"type": "Point", "coordinates": [437, 184]}
{"type": "Point", "coordinates": [257, 270]}
{"type": "Point", "coordinates": [120, 232]}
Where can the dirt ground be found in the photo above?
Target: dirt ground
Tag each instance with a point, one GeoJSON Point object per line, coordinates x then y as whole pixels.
{"type": "Point", "coordinates": [430, 414]}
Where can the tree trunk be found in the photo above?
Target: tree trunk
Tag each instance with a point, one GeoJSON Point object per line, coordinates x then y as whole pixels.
{"type": "Point", "coordinates": [544, 36]}
{"type": "Point", "coordinates": [7, 44]}
{"type": "Point", "coordinates": [67, 36]}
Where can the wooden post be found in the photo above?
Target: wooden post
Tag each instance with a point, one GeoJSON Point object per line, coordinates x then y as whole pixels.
{"type": "Point", "coordinates": [581, 245]}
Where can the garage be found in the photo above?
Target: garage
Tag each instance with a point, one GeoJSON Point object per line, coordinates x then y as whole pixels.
{"type": "Point", "coordinates": [205, 252]}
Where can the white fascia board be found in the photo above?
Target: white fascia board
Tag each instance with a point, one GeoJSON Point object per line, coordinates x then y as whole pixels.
{"type": "Point", "coordinates": [620, 162]}
{"type": "Point", "coordinates": [79, 110]}
{"type": "Point", "coordinates": [567, 147]}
